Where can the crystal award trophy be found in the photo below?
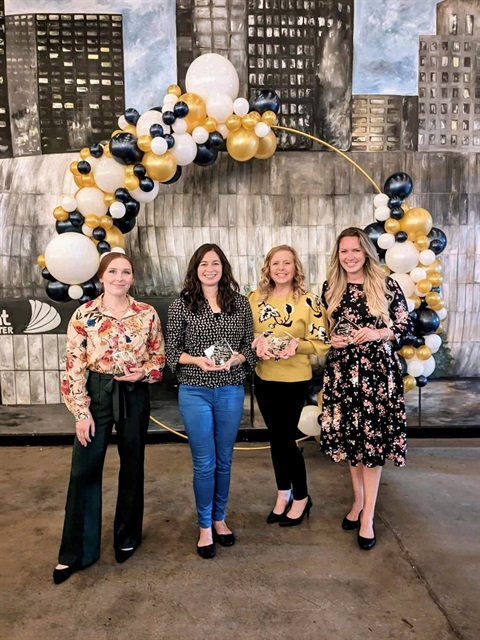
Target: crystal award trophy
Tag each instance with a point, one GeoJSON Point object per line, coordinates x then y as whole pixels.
{"type": "Point", "coordinates": [219, 353]}
{"type": "Point", "coordinates": [277, 344]}
{"type": "Point", "coordinates": [123, 359]}
{"type": "Point", "coordinates": [345, 328]}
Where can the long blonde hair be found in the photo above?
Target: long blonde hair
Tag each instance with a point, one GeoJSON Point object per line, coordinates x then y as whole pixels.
{"type": "Point", "coordinates": [374, 286]}
{"type": "Point", "coordinates": [266, 285]}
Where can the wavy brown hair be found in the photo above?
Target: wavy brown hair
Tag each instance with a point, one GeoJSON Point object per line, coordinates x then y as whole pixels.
{"type": "Point", "coordinates": [192, 292]}
{"type": "Point", "coordinates": [266, 285]}
{"type": "Point", "coordinates": [374, 286]}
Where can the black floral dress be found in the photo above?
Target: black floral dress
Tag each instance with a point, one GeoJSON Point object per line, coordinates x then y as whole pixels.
{"type": "Point", "coordinates": [363, 416]}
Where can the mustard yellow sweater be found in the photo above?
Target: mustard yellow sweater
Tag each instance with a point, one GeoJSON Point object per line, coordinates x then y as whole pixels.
{"type": "Point", "coordinates": [302, 319]}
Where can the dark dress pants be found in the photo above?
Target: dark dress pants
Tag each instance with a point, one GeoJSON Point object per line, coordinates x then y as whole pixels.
{"type": "Point", "coordinates": [127, 406]}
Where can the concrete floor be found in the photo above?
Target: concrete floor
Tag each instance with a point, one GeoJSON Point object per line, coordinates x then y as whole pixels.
{"type": "Point", "coordinates": [422, 580]}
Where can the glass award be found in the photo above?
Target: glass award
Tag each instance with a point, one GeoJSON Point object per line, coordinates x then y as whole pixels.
{"type": "Point", "coordinates": [345, 328]}
{"type": "Point", "coordinates": [123, 359]}
{"type": "Point", "coordinates": [277, 344]}
{"type": "Point", "coordinates": [219, 353]}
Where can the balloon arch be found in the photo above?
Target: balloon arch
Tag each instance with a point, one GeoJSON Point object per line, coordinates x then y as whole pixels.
{"type": "Point", "coordinates": [150, 149]}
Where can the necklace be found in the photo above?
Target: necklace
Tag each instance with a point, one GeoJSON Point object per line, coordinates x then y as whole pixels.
{"type": "Point", "coordinates": [113, 310]}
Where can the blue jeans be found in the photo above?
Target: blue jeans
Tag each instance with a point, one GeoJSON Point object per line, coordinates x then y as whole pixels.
{"type": "Point", "coordinates": [211, 418]}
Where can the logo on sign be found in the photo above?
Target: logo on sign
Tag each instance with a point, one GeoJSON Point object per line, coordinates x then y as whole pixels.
{"type": "Point", "coordinates": [44, 317]}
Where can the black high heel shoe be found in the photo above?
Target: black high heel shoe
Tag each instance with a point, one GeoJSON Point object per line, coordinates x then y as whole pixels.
{"type": "Point", "coordinates": [350, 525]}
{"type": "Point", "coordinates": [224, 539]}
{"type": "Point", "coordinates": [276, 517]}
{"type": "Point", "coordinates": [365, 543]}
{"type": "Point", "coordinates": [122, 555]}
{"type": "Point", "coordinates": [61, 575]}
{"type": "Point", "coordinates": [293, 522]}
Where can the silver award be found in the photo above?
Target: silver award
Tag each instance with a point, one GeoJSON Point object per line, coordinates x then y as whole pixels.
{"type": "Point", "coordinates": [219, 353]}
{"type": "Point", "coordinates": [345, 328]}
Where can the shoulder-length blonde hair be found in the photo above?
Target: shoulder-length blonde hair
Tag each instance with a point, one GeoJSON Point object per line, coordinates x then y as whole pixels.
{"type": "Point", "coordinates": [266, 285]}
{"type": "Point", "coordinates": [374, 285]}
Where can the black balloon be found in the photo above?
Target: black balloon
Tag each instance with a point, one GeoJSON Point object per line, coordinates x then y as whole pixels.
{"type": "Point", "coordinates": [206, 155]}
{"type": "Point", "coordinates": [96, 150]}
{"type": "Point", "coordinates": [132, 116]}
{"type": "Point", "coordinates": [170, 140]}
{"type": "Point", "coordinates": [123, 147]}
{"type": "Point", "coordinates": [99, 233]}
{"type": "Point", "coordinates": [103, 247]}
{"type": "Point", "coordinates": [418, 341]}
{"type": "Point", "coordinates": [139, 171]}
{"type": "Point", "coordinates": [57, 291]}
{"type": "Point", "coordinates": [146, 184]}
{"type": "Point", "coordinates": [124, 225]}
{"type": "Point", "coordinates": [401, 236]}
{"type": "Point", "coordinates": [421, 381]}
{"type": "Point", "coordinates": [169, 117]}
{"type": "Point", "coordinates": [399, 185]}
{"type": "Point", "coordinates": [428, 321]}
{"type": "Point", "coordinates": [132, 208]}
{"type": "Point", "coordinates": [374, 231]}
{"type": "Point", "coordinates": [47, 275]}
{"type": "Point", "coordinates": [177, 176]}
{"type": "Point", "coordinates": [413, 316]}
{"type": "Point", "coordinates": [404, 365]}
{"type": "Point", "coordinates": [122, 195]}
{"type": "Point", "coordinates": [65, 226]}
{"type": "Point", "coordinates": [181, 109]}
{"type": "Point", "coordinates": [76, 218]}
{"type": "Point", "coordinates": [438, 240]}
{"type": "Point", "coordinates": [395, 202]}
{"type": "Point", "coordinates": [156, 130]}
{"type": "Point", "coordinates": [84, 167]}
{"type": "Point", "coordinates": [216, 139]}
{"type": "Point", "coordinates": [156, 109]}
{"type": "Point", "coordinates": [265, 100]}
{"type": "Point", "coordinates": [92, 288]}
{"type": "Point", "coordinates": [397, 214]}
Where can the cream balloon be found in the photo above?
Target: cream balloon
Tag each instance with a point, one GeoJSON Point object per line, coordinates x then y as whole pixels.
{"type": "Point", "coordinates": [415, 367]}
{"type": "Point", "coordinates": [109, 174]}
{"type": "Point", "coordinates": [159, 145]}
{"type": "Point", "coordinates": [429, 366]}
{"type": "Point", "coordinates": [200, 135]}
{"type": "Point", "coordinates": [433, 341]}
{"type": "Point", "coordinates": [146, 120]}
{"type": "Point", "coordinates": [87, 231]}
{"type": "Point", "coordinates": [381, 199]}
{"type": "Point", "coordinates": [402, 257]}
{"type": "Point", "coordinates": [219, 106]}
{"type": "Point", "coordinates": [442, 313]}
{"type": "Point", "coordinates": [418, 274]}
{"type": "Point", "coordinates": [68, 203]}
{"type": "Point", "coordinates": [223, 130]}
{"type": "Point", "coordinates": [179, 126]}
{"type": "Point", "coordinates": [386, 240]}
{"type": "Point", "coordinates": [72, 258]}
{"type": "Point", "coordinates": [117, 210]}
{"type": "Point", "coordinates": [308, 423]}
{"type": "Point", "coordinates": [382, 213]}
{"type": "Point", "coordinates": [241, 107]}
{"type": "Point", "coordinates": [122, 123]}
{"type": "Point", "coordinates": [146, 196]}
{"type": "Point", "coordinates": [210, 74]}
{"type": "Point", "coordinates": [410, 305]}
{"type": "Point", "coordinates": [75, 291]}
{"type": "Point", "coordinates": [406, 283]}
{"type": "Point", "coordinates": [427, 257]}
{"type": "Point", "coordinates": [91, 200]}
{"type": "Point", "coordinates": [262, 129]}
{"type": "Point", "coordinates": [184, 149]}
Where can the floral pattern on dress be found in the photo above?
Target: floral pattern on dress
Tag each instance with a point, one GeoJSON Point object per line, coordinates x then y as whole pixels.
{"type": "Point", "coordinates": [363, 415]}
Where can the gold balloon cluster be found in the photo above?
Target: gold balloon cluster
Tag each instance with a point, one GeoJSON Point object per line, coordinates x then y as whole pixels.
{"type": "Point", "coordinates": [243, 143]}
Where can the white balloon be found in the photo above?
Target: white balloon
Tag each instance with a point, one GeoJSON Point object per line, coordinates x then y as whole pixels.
{"type": "Point", "coordinates": [219, 106]}
{"type": "Point", "coordinates": [159, 145]}
{"type": "Point", "coordinates": [90, 200]}
{"type": "Point", "coordinates": [179, 126]}
{"type": "Point", "coordinates": [122, 123]}
{"type": "Point", "coordinates": [223, 130]}
{"type": "Point", "coordinates": [109, 174]}
{"type": "Point", "coordinates": [117, 210]}
{"type": "Point", "coordinates": [415, 367]}
{"type": "Point", "coordinates": [380, 200]}
{"type": "Point", "coordinates": [146, 196]}
{"type": "Point", "coordinates": [418, 274]}
{"type": "Point", "coordinates": [386, 240]}
{"type": "Point", "coordinates": [184, 150]}
{"type": "Point", "coordinates": [402, 257]}
{"type": "Point", "coordinates": [442, 313]}
{"type": "Point", "coordinates": [427, 257]}
{"type": "Point", "coordinates": [200, 135]}
{"type": "Point", "coordinates": [308, 423]}
{"type": "Point", "coordinates": [262, 129]}
{"type": "Point", "coordinates": [410, 305]}
{"type": "Point", "coordinates": [433, 341]}
{"type": "Point", "coordinates": [87, 231]}
{"type": "Point", "coordinates": [210, 74]}
{"type": "Point", "coordinates": [68, 203]}
{"type": "Point", "coordinates": [382, 213]}
{"type": "Point", "coordinates": [116, 250]}
{"type": "Point", "coordinates": [241, 107]}
{"type": "Point", "coordinates": [170, 100]}
{"type": "Point", "coordinates": [72, 258]}
{"type": "Point", "coordinates": [429, 366]}
{"type": "Point", "coordinates": [406, 283]}
{"type": "Point", "coordinates": [146, 120]}
{"type": "Point", "coordinates": [75, 291]}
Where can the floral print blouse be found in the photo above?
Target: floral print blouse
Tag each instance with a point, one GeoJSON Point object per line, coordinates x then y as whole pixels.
{"type": "Point", "coordinates": [97, 341]}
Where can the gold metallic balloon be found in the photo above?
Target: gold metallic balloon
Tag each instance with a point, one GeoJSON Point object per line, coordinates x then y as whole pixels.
{"type": "Point", "coordinates": [435, 267]}
{"type": "Point", "coordinates": [109, 198]}
{"type": "Point", "coordinates": [250, 120]}
{"type": "Point", "coordinates": [161, 168]}
{"type": "Point", "coordinates": [416, 301]}
{"type": "Point", "coordinates": [417, 220]}
{"type": "Point", "coordinates": [59, 213]}
{"type": "Point", "coordinates": [267, 146]}
{"type": "Point", "coordinates": [143, 142]}
{"type": "Point", "coordinates": [114, 133]}
{"type": "Point", "coordinates": [130, 128]}
{"type": "Point", "coordinates": [84, 153]}
{"type": "Point", "coordinates": [441, 328]}
{"type": "Point", "coordinates": [210, 124]}
{"type": "Point", "coordinates": [405, 207]}
{"type": "Point", "coordinates": [433, 298]}
{"type": "Point", "coordinates": [115, 237]}
{"type": "Point", "coordinates": [92, 221]}
{"type": "Point", "coordinates": [392, 226]}
{"type": "Point", "coordinates": [424, 352]}
{"type": "Point", "coordinates": [74, 168]}
{"type": "Point", "coordinates": [78, 180]}
{"type": "Point", "coordinates": [270, 118]}
{"type": "Point", "coordinates": [435, 278]}
{"type": "Point", "coordinates": [408, 383]}
{"type": "Point", "coordinates": [106, 222]}
{"type": "Point", "coordinates": [440, 305]}
{"type": "Point", "coordinates": [106, 151]}
{"type": "Point", "coordinates": [242, 145]}
{"type": "Point", "coordinates": [88, 180]}
{"type": "Point", "coordinates": [174, 90]}
{"type": "Point", "coordinates": [197, 111]}
{"type": "Point", "coordinates": [421, 242]}
{"type": "Point", "coordinates": [131, 183]}
{"type": "Point", "coordinates": [41, 261]}
{"type": "Point", "coordinates": [386, 270]}
{"type": "Point", "coordinates": [424, 286]}
{"type": "Point", "coordinates": [233, 123]}
{"type": "Point", "coordinates": [407, 351]}
{"type": "Point", "coordinates": [129, 170]}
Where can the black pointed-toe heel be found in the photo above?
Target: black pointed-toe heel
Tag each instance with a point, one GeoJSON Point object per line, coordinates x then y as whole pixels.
{"type": "Point", "coordinates": [207, 552]}
{"type": "Point", "coordinates": [224, 539]}
{"type": "Point", "coordinates": [122, 555]}
{"type": "Point", "coordinates": [293, 522]}
{"type": "Point", "coordinates": [61, 575]}
{"type": "Point", "coordinates": [276, 517]}
{"type": "Point", "coordinates": [366, 543]}
{"type": "Point", "coordinates": [350, 525]}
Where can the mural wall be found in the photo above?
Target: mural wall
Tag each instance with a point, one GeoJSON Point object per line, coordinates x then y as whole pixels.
{"type": "Point", "coordinates": [403, 95]}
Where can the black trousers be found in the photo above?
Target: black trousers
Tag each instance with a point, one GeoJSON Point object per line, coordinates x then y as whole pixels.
{"type": "Point", "coordinates": [127, 406]}
{"type": "Point", "coordinates": [281, 404]}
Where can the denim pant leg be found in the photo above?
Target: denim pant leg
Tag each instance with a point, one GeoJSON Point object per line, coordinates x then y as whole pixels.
{"type": "Point", "coordinates": [228, 409]}
{"type": "Point", "coordinates": [196, 408]}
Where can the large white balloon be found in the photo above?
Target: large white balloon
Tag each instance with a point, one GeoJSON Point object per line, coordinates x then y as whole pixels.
{"type": "Point", "coordinates": [381, 200]}
{"type": "Point", "coordinates": [72, 258]}
{"type": "Point", "coordinates": [433, 341]}
{"type": "Point", "coordinates": [211, 74]}
{"type": "Point", "coordinates": [406, 283]}
{"type": "Point", "coordinates": [415, 367]}
{"type": "Point", "coordinates": [429, 366]}
{"type": "Point", "coordinates": [184, 149]}
{"type": "Point", "coordinates": [219, 106]}
{"type": "Point", "coordinates": [402, 257]}
{"type": "Point", "coordinates": [109, 174]}
{"type": "Point", "coordinates": [308, 423]}
{"type": "Point", "coordinates": [386, 240]}
{"type": "Point", "coordinates": [382, 213]}
{"type": "Point", "coordinates": [90, 200]}
{"type": "Point", "coordinates": [146, 120]}
{"type": "Point", "coordinates": [146, 196]}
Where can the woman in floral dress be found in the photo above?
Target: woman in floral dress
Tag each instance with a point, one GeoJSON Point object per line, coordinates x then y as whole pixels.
{"type": "Point", "coordinates": [363, 419]}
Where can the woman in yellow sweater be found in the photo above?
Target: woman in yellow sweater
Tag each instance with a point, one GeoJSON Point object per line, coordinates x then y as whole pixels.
{"type": "Point", "coordinates": [289, 327]}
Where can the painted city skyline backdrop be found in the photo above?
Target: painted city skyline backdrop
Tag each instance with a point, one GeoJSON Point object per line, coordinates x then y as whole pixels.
{"type": "Point", "coordinates": [385, 59]}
